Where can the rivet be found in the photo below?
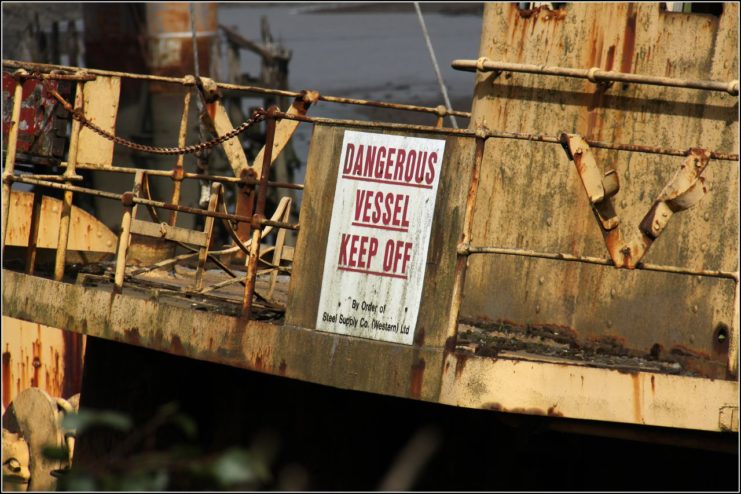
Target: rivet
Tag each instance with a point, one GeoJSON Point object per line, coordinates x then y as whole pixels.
{"type": "Point", "coordinates": [609, 324]}
{"type": "Point", "coordinates": [623, 203]}
{"type": "Point", "coordinates": [613, 292]}
{"type": "Point", "coordinates": [36, 362]}
{"type": "Point", "coordinates": [541, 280]}
{"type": "Point", "coordinates": [537, 308]}
{"type": "Point", "coordinates": [549, 221]}
{"type": "Point", "coordinates": [706, 216]}
{"type": "Point", "coordinates": [695, 309]}
{"type": "Point", "coordinates": [704, 246]}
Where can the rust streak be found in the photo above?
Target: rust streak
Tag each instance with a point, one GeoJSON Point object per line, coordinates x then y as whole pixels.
{"type": "Point", "coordinates": [637, 397]}
{"type": "Point", "coordinates": [6, 379]}
{"type": "Point", "coordinates": [417, 377]}
{"type": "Point", "coordinates": [629, 42]}
{"type": "Point", "coordinates": [177, 345]}
{"type": "Point", "coordinates": [72, 382]}
{"type": "Point", "coordinates": [460, 364]}
{"type": "Point", "coordinates": [282, 368]}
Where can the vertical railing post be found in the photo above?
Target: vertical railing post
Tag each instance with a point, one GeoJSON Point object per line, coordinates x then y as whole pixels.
{"type": "Point", "coordinates": [208, 229]}
{"type": "Point", "coordinates": [249, 288]}
{"type": "Point", "coordinates": [441, 111]}
{"type": "Point", "coordinates": [33, 234]}
{"type": "Point", "coordinates": [123, 239]}
{"type": "Point", "coordinates": [177, 175]}
{"type": "Point", "coordinates": [69, 172]}
{"type": "Point", "coordinates": [11, 150]}
{"type": "Point", "coordinates": [462, 262]}
{"type": "Point", "coordinates": [280, 240]}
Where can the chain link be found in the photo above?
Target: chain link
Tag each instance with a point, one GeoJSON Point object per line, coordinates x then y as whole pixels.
{"type": "Point", "coordinates": [257, 116]}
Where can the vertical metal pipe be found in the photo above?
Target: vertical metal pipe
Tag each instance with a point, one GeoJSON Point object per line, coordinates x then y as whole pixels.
{"type": "Point", "coordinates": [280, 240]}
{"type": "Point", "coordinates": [123, 239]}
{"type": "Point", "coordinates": [462, 262]}
{"type": "Point", "coordinates": [33, 235]}
{"type": "Point", "coordinates": [64, 219]}
{"type": "Point", "coordinates": [249, 287]}
{"type": "Point", "coordinates": [177, 174]}
{"type": "Point", "coordinates": [11, 149]}
{"type": "Point", "coordinates": [208, 230]}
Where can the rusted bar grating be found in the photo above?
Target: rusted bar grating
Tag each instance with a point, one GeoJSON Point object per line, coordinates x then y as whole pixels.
{"type": "Point", "coordinates": [593, 74]}
{"type": "Point", "coordinates": [560, 256]}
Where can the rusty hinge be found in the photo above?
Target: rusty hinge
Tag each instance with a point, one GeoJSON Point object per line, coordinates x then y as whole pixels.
{"type": "Point", "coordinates": [683, 191]}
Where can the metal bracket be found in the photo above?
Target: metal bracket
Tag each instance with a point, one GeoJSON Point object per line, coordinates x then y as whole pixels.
{"type": "Point", "coordinates": [684, 190]}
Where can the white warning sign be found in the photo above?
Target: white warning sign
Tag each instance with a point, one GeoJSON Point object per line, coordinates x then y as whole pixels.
{"type": "Point", "coordinates": [379, 235]}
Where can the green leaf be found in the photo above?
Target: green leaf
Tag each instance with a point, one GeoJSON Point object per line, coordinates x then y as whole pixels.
{"type": "Point", "coordinates": [77, 483]}
{"type": "Point", "coordinates": [86, 419]}
{"type": "Point", "coordinates": [55, 453]}
{"type": "Point", "coordinates": [187, 425]}
{"type": "Point", "coordinates": [237, 466]}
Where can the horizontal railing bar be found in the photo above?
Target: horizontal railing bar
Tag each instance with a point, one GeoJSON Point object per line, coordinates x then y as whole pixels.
{"type": "Point", "coordinates": [594, 74]}
{"type": "Point", "coordinates": [188, 80]}
{"type": "Point", "coordinates": [158, 204]}
{"type": "Point", "coordinates": [559, 256]}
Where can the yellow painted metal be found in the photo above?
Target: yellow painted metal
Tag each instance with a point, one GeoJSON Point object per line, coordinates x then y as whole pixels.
{"type": "Point", "coordinates": [518, 385]}
{"type": "Point", "coordinates": [577, 391]}
{"type": "Point", "coordinates": [64, 220]}
{"type": "Point", "coordinates": [86, 232]}
{"type": "Point", "coordinates": [531, 198]}
{"type": "Point", "coordinates": [35, 355]}
{"type": "Point", "coordinates": [284, 129]}
{"type": "Point", "coordinates": [125, 237]}
{"type": "Point", "coordinates": [101, 98]}
{"type": "Point", "coordinates": [10, 157]}
{"type": "Point", "coordinates": [232, 147]}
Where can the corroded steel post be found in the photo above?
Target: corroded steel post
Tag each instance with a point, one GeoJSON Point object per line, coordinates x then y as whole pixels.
{"type": "Point", "coordinates": [123, 240]}
{"type": "Point", "coordinates": [177, 173]}
{"type": "Point", "coordinates": [208, 229]}
{"type": "Point", "coordinates": [10, 152]}
{"type": "Point", "coordinates": [33, 234]}
{"type": "Point", "coordinates": [69, 172]}
{"type": "Point", "coordinates": [462, 262]}
{"type": "Point", "coordinates": [249, 289]}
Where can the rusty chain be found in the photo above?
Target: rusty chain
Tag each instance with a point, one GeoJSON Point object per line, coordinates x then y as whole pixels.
{"type": "Point", "coordinates": [257, 116]}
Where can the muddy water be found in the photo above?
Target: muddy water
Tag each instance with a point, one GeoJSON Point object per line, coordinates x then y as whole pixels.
{"type": "Point", "coordinates": [368, 55]}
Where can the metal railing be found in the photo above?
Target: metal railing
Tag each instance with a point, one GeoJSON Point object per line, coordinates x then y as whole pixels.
{"type": "Point", "coordinates": [257, 221]}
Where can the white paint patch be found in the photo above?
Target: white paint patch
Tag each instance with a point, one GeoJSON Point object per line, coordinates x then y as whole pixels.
{"type": "Point", "coordinates": [379, 235]}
